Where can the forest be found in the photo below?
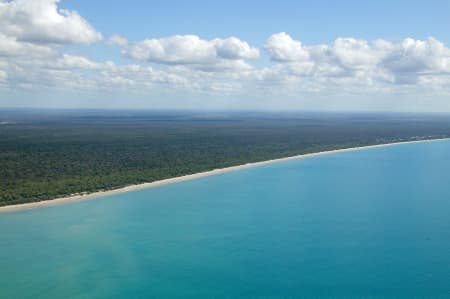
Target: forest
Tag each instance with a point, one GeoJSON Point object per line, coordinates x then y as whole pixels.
{"type": "Point", "coordinates": [46, 154]}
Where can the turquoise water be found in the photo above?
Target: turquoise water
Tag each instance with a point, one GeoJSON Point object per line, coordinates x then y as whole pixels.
{"type": "Point", "coordinates": [364, 224]}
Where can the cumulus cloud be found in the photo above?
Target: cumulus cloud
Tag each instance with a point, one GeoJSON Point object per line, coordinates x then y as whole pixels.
{"type": "Point", "coordinates": [281, 47]}
{"type": "Point", "coordinates": [192, 64]}
{"type": "Point", "coordinates": [416, 56]}
{"type": "Point", "coordinates": [74, 72]}
{"type": "Point", "coordinates": [379, 60]}
{"type": "Point", "coordinates": [10, 47]}
{"type": "Point", "coordinates": [351, 53]}
{"type": "Point", "coordinates": [73, 62]}
{"type": "Point", "coordinates": [118, 40]}
{"type": "Point", "coordinates": [41, 22]}
{"type": "Point", "coordinates": [213, 54]}
{"type": "Point", "coordinates": [33, 33]}
{"type": "Point", "coordinates": [234, 48]}
{"type": "Point", "coordinates": [179, 49]}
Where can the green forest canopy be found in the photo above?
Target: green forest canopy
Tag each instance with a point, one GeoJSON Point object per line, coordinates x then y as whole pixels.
{"type": "Point", "coordinates": [48, 154]}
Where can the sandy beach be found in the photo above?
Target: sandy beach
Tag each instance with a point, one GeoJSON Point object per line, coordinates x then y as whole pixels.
{"type": "Point", "coordinates": [81, 197]}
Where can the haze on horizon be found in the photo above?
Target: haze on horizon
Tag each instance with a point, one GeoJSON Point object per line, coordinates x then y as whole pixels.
{"type": "Point", "coordinates": [300, 55]}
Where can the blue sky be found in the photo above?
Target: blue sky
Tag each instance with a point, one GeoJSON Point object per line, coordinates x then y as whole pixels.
{"type": "Point", "coordinates": [312, 21]}
{"type": "Point", "coordinates": [310, 55]}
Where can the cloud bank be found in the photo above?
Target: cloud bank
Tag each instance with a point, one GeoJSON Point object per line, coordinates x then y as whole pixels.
{"type": "Point", "coordinates": [36, 36]}
{"type": "Point", "coordinates": [380, 60]}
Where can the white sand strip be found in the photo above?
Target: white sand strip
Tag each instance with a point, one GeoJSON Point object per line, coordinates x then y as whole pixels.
{"type": "Point", "coordinates": [80, 197]}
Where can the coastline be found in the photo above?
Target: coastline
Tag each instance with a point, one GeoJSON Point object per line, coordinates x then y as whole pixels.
{"type": "Point", "coordinates": [82, 197]}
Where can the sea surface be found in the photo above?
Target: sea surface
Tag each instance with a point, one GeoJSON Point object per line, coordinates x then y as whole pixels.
{"type": "Point", "coordinates": [373, 223]}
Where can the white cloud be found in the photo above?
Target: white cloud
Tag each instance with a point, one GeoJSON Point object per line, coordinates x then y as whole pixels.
{"type": "Point", "coordinates": [118, 40]}
{"type": "Point", "coordinates": [379, 60]}
{"type": "Point", "coordinates": [214, 55]}
{"type": "Point", "coordinates": [352, 53]}
{"type": "Point", "coordinates": [416, 56]}
{"type": "Point", "coordinates": [74, 72]}
{"type": "Point", "coordinates": [9, 46]}
{"type": "Point", "coordinates": [41, 22]}
{"type": "Point", "coordinates": [72, 62]}
{"type": "Point", "coordinates": [33, 33]}
{"type": "Point", "coordinates": [179, 49]}
{"type": "Point", "coordinates": [234, 48]}
{"type": "Point", "coordinates": [281, 47]}
{"type": "Point", "coordinates": [187, 64]}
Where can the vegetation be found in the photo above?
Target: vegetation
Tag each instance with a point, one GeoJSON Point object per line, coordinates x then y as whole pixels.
{"type": "Point", "coordinates": [48, 154]}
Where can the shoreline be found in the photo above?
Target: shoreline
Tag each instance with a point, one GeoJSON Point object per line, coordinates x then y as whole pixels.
{"type": "Point", "coordinates": [98, 194]}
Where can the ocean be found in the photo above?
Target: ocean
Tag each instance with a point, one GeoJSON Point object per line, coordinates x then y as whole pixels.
{"type": "Point", "coordinates": [372, 223]}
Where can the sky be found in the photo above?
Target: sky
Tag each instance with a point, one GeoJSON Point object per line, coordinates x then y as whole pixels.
{"type": "Point", "coordinates": [239, 55]}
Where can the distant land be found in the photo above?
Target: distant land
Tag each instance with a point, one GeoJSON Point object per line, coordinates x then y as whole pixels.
{"type": "Point", "coordinates": [47, 154]}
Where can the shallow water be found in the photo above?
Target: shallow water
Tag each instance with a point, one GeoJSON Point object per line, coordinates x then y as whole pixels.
{"type": "Point", "coordinates": [366, 224]}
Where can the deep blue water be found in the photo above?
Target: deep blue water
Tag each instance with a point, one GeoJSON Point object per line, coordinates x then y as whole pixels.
{"type": "Point", "coordinates": [364, 224]}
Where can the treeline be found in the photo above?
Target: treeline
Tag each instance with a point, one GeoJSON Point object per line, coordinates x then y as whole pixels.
{"type": "Point", "coordinates": [44, 156]}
